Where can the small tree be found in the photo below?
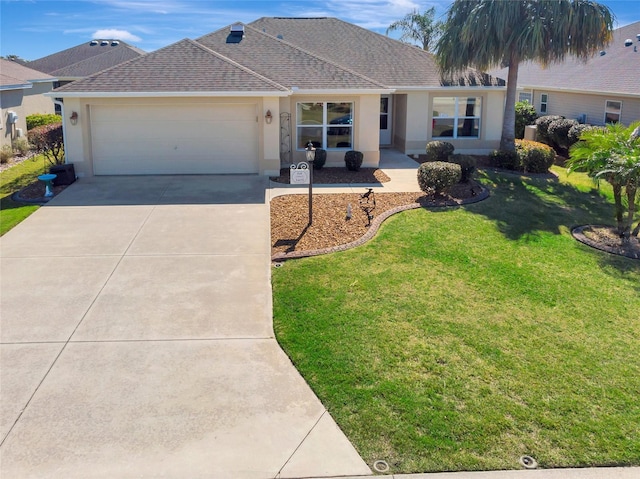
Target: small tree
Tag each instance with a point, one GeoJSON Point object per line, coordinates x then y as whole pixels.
{"type": "Point", "coordinates": [613, 154]}
{"type": "Point", "coordinates": [525, 115]}
{"type": "Point", "coordinates": [418, 27]}
{"type": "Point", "coordinates": [48, 140]}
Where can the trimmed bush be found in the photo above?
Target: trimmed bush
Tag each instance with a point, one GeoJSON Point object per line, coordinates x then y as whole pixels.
{"type": "Point", "coordinates": [577, 130]}
{"type": "Point", "coordinates": [467, 165]}
{"type": "Point", "coordinates": [558, 131]}
{"type": "Point", "coordinates": [320, 159]}
{"type": "Point", "coordinates": [439, 150]}
{"type": "Point", "coordinates": [543, 125]}
{"type": "Point", "coordinates": [434, 177]}
{"type": "Point", "coordinates": [6, 153]}
{"type": "Point", "coordinates": [504, 159]}
{"type": "Point", "coordinates": [42, 119]}
{"type": "Point", "coordinates": [534, 157]}
{"type": "Point", "coordinates": [21, 146]}
{"type": "Point", "coordinates": [525, 115]}
{"type": "Point", "coordinates": [47, 139]}
{"type": "Point", "coordinates": [353, 160]}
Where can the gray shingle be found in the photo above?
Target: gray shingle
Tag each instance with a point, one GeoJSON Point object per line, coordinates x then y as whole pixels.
{"type": "Point", "coordinates": [182, 67]}
{"type": "Point", "coordinates": [618, 71]}
{"type": "Point", "coordinates": [86, 59]}
{"type": "Point", "coordinates": [12, 73]}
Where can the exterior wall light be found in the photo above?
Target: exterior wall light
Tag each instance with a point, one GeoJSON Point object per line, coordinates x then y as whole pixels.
{"type": "Point", "coordinates": [74, 118]}
{"type": "Point", "coordinates": [268, 117]}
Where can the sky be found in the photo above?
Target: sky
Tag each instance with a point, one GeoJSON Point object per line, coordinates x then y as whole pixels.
{"type": "Point", "coordinates": [32, 29]}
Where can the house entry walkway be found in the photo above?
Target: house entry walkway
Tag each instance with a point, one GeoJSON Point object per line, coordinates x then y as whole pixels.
{"type": "Point", "coordinates": [137, 340]}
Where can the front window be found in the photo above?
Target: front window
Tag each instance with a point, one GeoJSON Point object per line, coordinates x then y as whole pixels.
{"type": "Point", "coordinates": [544, 100]}
{"type": "Point", "coordinates": [612, 111]}
{"type": "Point", "coordinates": [456, 117]}
{"type": "Point", "coordinates": [326, 125]}
{"type": "Point", "coordinates": [526, 95]}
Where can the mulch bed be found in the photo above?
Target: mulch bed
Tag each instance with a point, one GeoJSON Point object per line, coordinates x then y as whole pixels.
{"type": "Point", "coordinates": [332, 176]}
{"type": "Point", "coordinates": [34, 193]}
{"type": "Point", "coordinates": [332, 230]}
{"type": "Point", "coordinates": [605, 238]}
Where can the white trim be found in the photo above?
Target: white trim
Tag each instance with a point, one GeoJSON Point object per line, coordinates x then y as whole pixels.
{"type": "Point", "coordinates": [23, 86]}
{"type": "Point", "coordinates": [165, 94]}
{"type": "Point", "coordinates": [402, 89]}
{"type": "Point", "coordinates": [588, 92]}
{"type": "Point", "coordinates": [342, 91]}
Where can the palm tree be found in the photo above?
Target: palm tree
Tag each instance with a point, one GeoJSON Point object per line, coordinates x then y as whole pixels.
{"type": "Point", "coordinates": [491, 33]}
{"type": "Point", "coordinates": [418, 27]}
{"type": "Point", "coordinates": [612, 153]}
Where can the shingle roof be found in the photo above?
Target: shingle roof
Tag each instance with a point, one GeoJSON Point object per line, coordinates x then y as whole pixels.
{"type": "Point", "coordinates": [383, 59]}
{"type": "Point", "coordinates": [185, 66]}
{"type": "Point", "coordinates": [284, 63]}
{"type": "Point", "coordinates": [617, 71]}
{"type": "Point", "coordinates": [13, 74]}
{"type": "Point", "coordinates": [87, 58]}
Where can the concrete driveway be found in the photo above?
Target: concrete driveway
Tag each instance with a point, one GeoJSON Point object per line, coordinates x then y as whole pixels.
{"type": "Point", "coordinates": [137, 340]}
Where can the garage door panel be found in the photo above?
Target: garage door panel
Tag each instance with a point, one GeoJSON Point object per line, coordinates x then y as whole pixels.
{"type": "Point", "coordinates": [196, 139]}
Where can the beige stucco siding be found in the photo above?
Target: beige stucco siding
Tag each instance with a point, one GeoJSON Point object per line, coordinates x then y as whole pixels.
{"type": "Point", "coordinates": [24, 102]}
{"type": "Point", "coordinates": [366, 127]}
{"type": "Point", "coordinates": [573, 105]}
{"type": "Point", "coordinates": [80, 138]}
{"type": "Point", "coordinates": [414, 116]}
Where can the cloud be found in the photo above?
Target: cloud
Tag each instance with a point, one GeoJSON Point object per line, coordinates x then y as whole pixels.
{"type": "Point", "coordinates": [116, 34]}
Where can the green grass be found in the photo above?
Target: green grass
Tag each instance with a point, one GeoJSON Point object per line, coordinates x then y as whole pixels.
{"type": "Point", "coordinates": [464, 338]}
{"type": "Point", "coordinates": [12, 180]}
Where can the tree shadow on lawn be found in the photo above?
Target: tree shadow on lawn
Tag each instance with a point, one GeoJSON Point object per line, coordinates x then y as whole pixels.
{"type": "Point", "coordinates": [523, 207]}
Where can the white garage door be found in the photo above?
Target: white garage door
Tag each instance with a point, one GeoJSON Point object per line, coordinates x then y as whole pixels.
{"type": "Point", "coordinates": [155, 140]}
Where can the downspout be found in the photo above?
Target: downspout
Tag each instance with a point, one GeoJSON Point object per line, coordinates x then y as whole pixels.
{"type": "Point", "coordinates": [64, 128]}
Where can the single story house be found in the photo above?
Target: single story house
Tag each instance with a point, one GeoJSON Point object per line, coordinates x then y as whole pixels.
{"type": "Point", "coordinates": [602, 90]}
{"type": "Point", "coordinates": [22, 92]}
{"type": "Point", "coordinates": [85, 59]}
{"type": "Point", "coordinates": [250, 97]}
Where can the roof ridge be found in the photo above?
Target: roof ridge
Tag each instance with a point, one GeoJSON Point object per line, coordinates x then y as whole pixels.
{"type": "Point", "coordinates": [318, 57]}
{"type": "Point", "coordinates": [92, 58]}
{"type": "Point", "coordinates": [236, 64]}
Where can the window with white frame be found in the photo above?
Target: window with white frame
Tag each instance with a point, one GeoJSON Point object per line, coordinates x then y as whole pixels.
{"type": "Point", "coordinates": [526, 95]}
{"type": "Point", "coordinates": [456, 117]}
{"type": "Point", "coordinates": [327, 125]}
{"type": "Point", "coordinates": [544, 101]}
{"type": "Point", "coordinates": [612, 111]}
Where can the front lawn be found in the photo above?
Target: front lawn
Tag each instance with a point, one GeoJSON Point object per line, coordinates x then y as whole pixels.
{"type": "Point", "coordinates": [12, 180]}
{"type": "Point", "coordinates": [462, 339]}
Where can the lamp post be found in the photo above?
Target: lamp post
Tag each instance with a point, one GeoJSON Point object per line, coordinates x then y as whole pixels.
{"type": "Point", "coordinates": [311, 156]}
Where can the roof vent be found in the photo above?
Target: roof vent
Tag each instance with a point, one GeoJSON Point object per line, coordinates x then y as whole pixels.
{"type": "Point", "coordinates": [602, 53]}
{"type": "Point", "coordinates": [93, 43]}
{"type": "Point", "coordinates": [638, 37]}
{"type": "Point", "coordinates": [104, 43]}
{"type": "Point", "coordinates": [115, 43]}
{"type": "Point", "coordinates": [236, 34]}
{"type": "Point", "coordinates": [628, 42]}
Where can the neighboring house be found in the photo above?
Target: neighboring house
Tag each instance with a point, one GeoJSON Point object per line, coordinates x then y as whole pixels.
{"type": "Point", "coordinates": [604, 89]}
{"type": "Point", "coordinates": [249, 98]}
{"type": "Point", "coordinates": [21, 94]}
{"type": "Point", "coordinates": [85, 59]}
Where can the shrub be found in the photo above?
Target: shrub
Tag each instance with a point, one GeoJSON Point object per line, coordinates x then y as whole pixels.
{"type": "Point", "coordinates": [543, 125]}
{"type": "Point", "coordinates": [6, 153]}
{"type": "Point", "coordinates": [525, 115]}
{"type": "Point", "coordinates": [320, 159]}
{"type": "Point", "coordinates": [353, 160]}
{"type": "Point", "coordinates": [42, 119]}
{"type": "Point", "coordinates": [558, 131]}
{"type": "Point", "coordinates": [21, 146]}
{"type": "Point", "coordinates": [439, 150]}
{"type": "Point", "coordinates": [47, 139]}
{"type": "Point", "coordinates": [467, 165]}
{"type": "Point", "coordinates": [436, 176]}
{"type": "Point", "coordinates": [534, 157]}
{"type": "Point", "coordinates": [504, 159]}
{"type": "Point", "coordinates": [576, 132]}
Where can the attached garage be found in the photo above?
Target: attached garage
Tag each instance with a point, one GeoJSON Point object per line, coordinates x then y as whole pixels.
{"type": "Point", "coordinates": [143, 139]}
